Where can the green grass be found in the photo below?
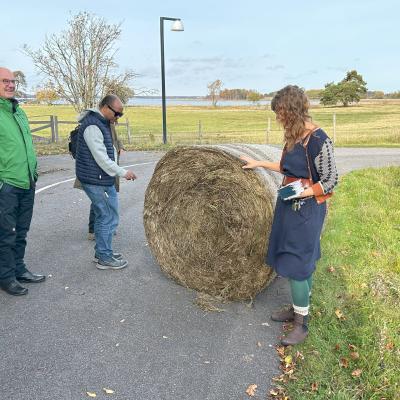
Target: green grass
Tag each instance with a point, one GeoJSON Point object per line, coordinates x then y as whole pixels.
{"type": "Point", "coordinates": [361, 242]}
{"type": "Point", "coordinates": [375, 124]}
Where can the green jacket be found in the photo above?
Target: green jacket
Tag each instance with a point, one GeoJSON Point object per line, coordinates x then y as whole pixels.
{"type": "Point", "coordinates": [18, 164]}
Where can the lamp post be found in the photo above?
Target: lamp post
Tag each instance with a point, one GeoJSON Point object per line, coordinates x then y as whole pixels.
{"type": "Point", "coordinates": [177, 26]}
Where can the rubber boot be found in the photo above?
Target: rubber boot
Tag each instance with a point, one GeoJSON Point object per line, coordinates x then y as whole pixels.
{"type": "Point", "coordinates": [284, 315]}
{"type": "Point", "coordinates": [299, 332]}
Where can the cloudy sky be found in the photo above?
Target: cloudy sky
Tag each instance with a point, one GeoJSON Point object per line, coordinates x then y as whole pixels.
{"type": "Point", "coordinates": [253, 44]}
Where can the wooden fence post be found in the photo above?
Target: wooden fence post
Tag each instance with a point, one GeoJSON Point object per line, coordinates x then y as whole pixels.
{"type": "Point", "coordinates": [53, 129]}
{"type": "Point", "coordinates": [55, 121]}
{"type": "Point", "coordinates": [128, 130]}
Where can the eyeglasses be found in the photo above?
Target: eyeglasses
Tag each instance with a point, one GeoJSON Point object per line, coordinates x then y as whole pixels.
{"type": "Point", "coordinates": [8, 82]}
{"type": "Point", "coordinates": [117, 114]}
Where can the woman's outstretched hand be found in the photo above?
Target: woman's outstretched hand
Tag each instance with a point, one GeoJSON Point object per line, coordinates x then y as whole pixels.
{"type": "Point", "coordinates": [250, 162]}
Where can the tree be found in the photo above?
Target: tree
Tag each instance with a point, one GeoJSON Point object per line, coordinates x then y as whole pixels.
{"type": "Point", "coordinates": [46, 95]}
{"type": "Point", "coordinates": [349, 90]}
{"type": "Point", "coordinates": [119, 88]}
{"type": "Point", "coordinates": [20, 77]}
{"type": "Point", "coordinates": [254, 96]}
{"type": "Point", "coordinates": [79, 62]}
{"type": "Point", "coordinates": [214, 89]}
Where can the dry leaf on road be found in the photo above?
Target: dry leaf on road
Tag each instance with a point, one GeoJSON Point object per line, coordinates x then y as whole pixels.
{"type": "Point", "coordinates": [108, 391]}
{"type": "Point", "coordinates": [251, 390]}
{"type": "Point", "coordinates": [91, 394]}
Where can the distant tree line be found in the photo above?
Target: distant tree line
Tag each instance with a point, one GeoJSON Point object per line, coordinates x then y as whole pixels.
{"type": "Point", "coordinates": [240, 94]}
{"type": "Point", "coordinates": [216, 93]}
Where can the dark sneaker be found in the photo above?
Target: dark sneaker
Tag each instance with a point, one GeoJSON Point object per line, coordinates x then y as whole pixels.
{"type": "Point", "coordinates": [111, 264]}
{"type": "Point", "coordinates": [117, 256]}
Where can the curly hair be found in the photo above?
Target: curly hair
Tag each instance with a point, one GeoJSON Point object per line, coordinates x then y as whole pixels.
{"type": "Point", "coordinates": [290, 105]}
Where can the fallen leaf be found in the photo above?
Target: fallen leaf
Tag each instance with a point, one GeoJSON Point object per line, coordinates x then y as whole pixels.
{"type": "Point", "coordinates": [288, 360]}
{"type": "Point", "coordinates": [314, 387]}
{"type": "Point", "coordinates": [108, 391]}
{"type": "Point", "coordinates": [279, 378]}
{"type": "Point", "coordinates": [259, 344]}
{"type": "Point", "coordinates": [337, 347]}
{"type": "Point", "coordinates": [289, 371]}
{"type": "Point", "coordinates": [331, 269]}
{"type": "Point", "coordinates": [356, 373]}
{"type": "Point", "coordinates": [299, 355]}
{"type": "Point", "coordinates": [265, 324]}
{"type": "Point", "coordinates": [352, 347]}
{"type": "Point", "coordinates": [273, 392]}
{"type": "Point", "coordinates": [339, 314]}
{"type": "Point", "coordinates": [389, 346]}
{"type": "Point", "coordinates": [354, 355]}
{"type": "Point", "coordinates": [251, 390]}
{"type": "Point", "coordinates": [344, 362]}
{"type": "Point", "coordinates": [91, 394]}
{"type": "Point", "coordinates": [281, 351]}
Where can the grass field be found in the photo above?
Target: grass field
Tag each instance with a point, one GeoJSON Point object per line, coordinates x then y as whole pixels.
{"type": "Point", "coordinates": [373, 124]}
{"type": "Point", "coordinates": [353, 350]}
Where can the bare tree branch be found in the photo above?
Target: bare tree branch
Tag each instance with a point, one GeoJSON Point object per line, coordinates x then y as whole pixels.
{"type": "Point", "coordinates": [79, 62]}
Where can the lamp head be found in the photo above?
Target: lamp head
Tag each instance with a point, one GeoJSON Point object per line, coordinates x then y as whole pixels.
{"type": "Point", "coordinates": [177, 26]}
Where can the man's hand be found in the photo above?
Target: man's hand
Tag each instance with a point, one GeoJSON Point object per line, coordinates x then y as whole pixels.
{"type": "Point", "coordinates": [130, 175]}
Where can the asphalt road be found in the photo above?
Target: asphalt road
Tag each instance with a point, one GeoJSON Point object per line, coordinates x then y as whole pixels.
{"type": "Point", "coordinates": [134, 331]}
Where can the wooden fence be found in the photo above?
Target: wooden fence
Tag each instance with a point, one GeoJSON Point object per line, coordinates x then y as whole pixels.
{"type": "Point", "coordinates": [53, 124]}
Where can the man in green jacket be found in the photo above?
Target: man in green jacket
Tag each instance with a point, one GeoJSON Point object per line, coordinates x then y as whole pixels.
{"type": "Point", "coordinates": [18, 175]}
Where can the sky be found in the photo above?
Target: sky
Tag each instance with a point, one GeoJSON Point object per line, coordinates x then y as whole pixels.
{"type": "Point", "coordinates": [254, 44]}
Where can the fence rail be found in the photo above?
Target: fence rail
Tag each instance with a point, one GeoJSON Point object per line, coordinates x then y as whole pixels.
{"type": "Point", "coordinates": [55, 130]}
{"type": "Point", "coordinates": [53, 124]}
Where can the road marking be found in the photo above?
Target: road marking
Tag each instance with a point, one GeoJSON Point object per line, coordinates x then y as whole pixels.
{"type": "Point", "coordinates": [72, 179]}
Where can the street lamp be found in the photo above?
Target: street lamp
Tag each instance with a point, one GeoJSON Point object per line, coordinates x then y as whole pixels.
{"type": "Point", "coordinates": [177, 26]}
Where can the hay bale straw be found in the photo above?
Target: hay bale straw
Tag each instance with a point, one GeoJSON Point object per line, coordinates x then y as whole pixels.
{"type": "Point", "coordinates": [207, 220]}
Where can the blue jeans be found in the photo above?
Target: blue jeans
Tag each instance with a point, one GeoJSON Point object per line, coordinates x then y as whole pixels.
{"type": "Point", "coordinates": [105, 206]}
{"type": "Point", "coordinates": [91, 219]}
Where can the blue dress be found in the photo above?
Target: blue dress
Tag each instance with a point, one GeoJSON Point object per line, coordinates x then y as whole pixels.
{"type": "Point", "coordinates": [294, 243]}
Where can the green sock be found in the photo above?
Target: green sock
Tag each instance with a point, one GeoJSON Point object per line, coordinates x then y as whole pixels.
{"type": "Point", "coordinates": [300, 292]}
{"type": "Point", "coordinates": [310, 282]}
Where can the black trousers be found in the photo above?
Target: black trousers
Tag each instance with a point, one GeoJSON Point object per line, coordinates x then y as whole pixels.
{"type": "Point", "coordinates": [16, 207]}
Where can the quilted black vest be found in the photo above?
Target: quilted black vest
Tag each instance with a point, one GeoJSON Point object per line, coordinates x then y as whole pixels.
{"type": "Point", "coordinates": [87, 170]}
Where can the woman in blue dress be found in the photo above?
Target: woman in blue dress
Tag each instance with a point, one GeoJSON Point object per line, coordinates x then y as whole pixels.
{"type": "Point", "coordinates": [294, 243]}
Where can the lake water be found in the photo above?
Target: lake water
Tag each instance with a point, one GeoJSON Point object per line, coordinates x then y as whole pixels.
{"type": "Point", "coordinates": [156, 101]}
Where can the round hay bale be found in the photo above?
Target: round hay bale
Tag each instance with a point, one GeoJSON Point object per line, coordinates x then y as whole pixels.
{"type": "Point", "coordinates": [207, 220]}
